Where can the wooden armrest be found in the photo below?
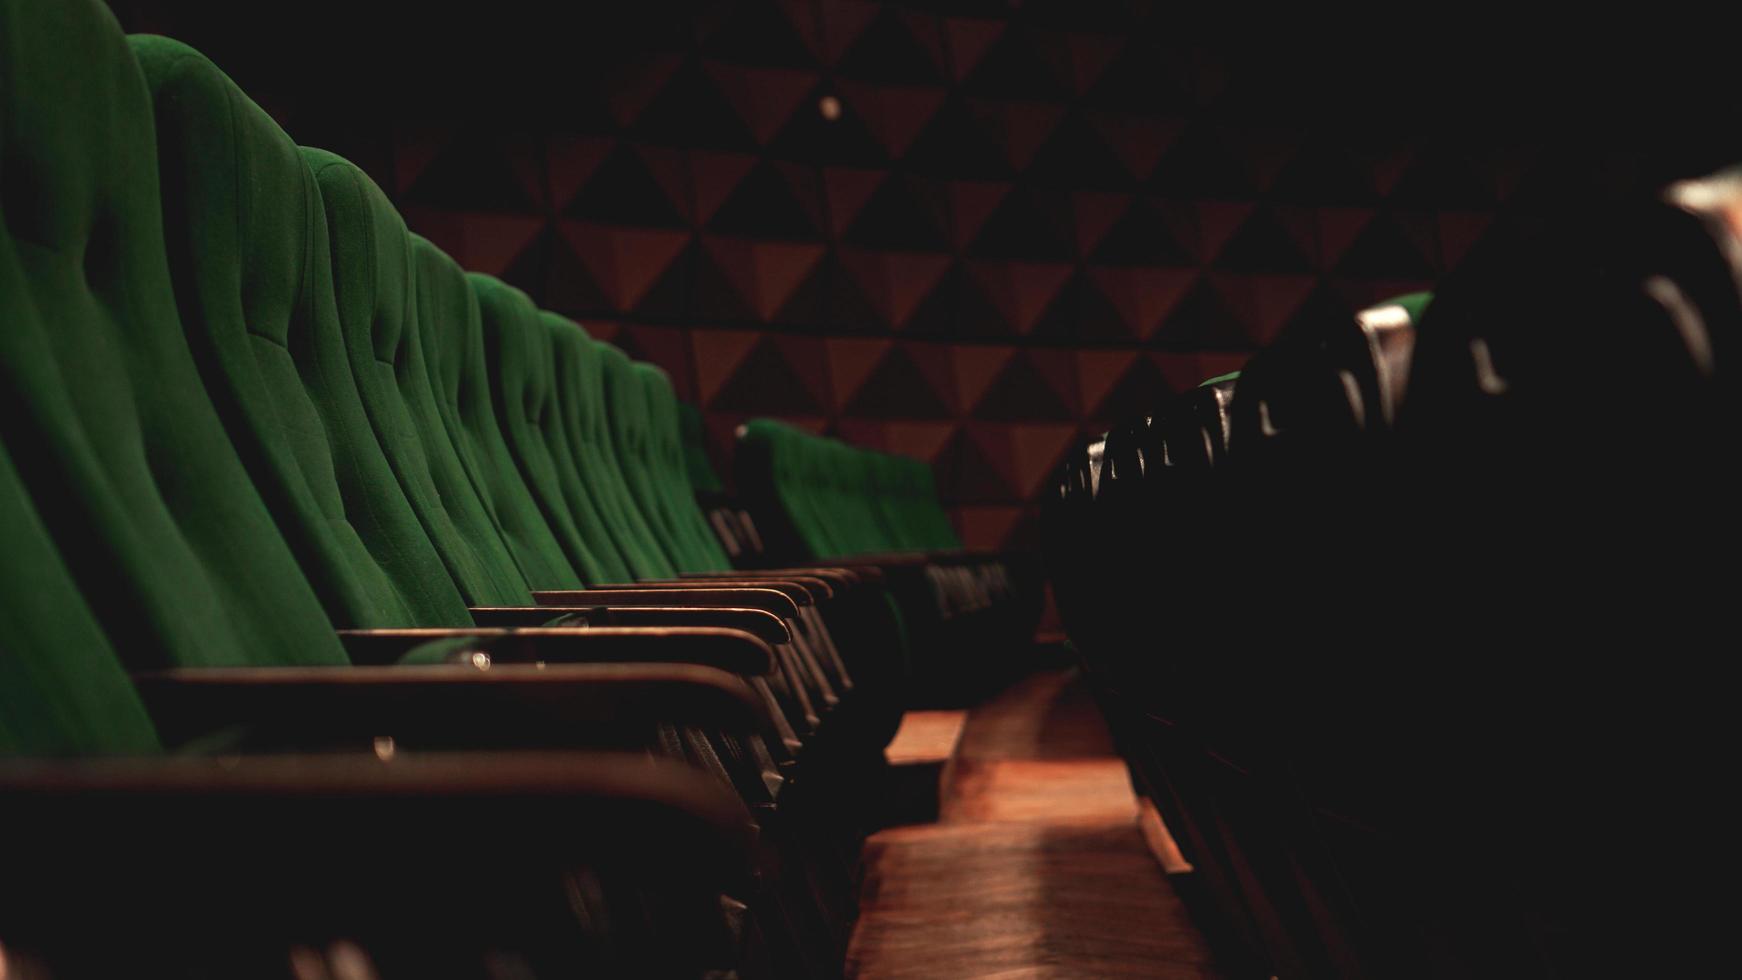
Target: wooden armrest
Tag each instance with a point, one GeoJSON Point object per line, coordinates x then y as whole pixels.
{"type": "Point", "coordinates": [734, 651]}
{"type": "Point", "coordinates": [814, 588]}
{"type": "Point", "coordinates": [169, 864]}
{"type": "Point", "coordinates": [859, 575]}
{"type": "Point", "coordinates": [838, 578]}
{"type": "Point", "coordinates": [547, 797]}
{"type": "Point", "coordinates": [800, 593]}
{"type": "Point", "coordinates": [483, 706]}
{"type": "Point", "coordinates": [706, 597]}
{"type": "Point", "coordinates": [765, 625]}
{"type": "Point", "coordinates": [898, 559]}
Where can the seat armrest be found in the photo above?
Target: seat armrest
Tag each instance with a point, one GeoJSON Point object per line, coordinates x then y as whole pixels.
{"type": "Point", "coordinates": [367, 801]}
{"type": "Point", "coordinates": [704, 597]}
{"type": "Point", "coordinates": [169, 861]}
{"type": "Point", "coordinates": [859, 575]}
{"type": "Point", "coordinates": [801, 594]}
{"type": "Point", "coordinates": [731, 650]}
{"type": "Point", "coordinates": [838, 577]}
{"type": "Point", "coordinates": [765, 625]}
{"type": "Point", "coordinates": [894, 559]}
{"type": "Point", "coordinates": [817, 585]}
{"type": "Point", "coordinates": [449, 706]}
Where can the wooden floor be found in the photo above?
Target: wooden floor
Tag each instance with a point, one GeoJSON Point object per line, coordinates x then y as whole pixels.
{"type": "Point", "coordinates": [1036, 867]}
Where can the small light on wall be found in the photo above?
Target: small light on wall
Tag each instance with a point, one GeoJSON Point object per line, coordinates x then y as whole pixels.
{"type": "Point", "coordinates": [830, 107]}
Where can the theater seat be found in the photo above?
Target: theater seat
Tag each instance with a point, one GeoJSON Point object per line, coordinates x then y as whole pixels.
{"type": "Point", "coordinates": [818, 500]}
{"type": "Point", "coordinates": [245, 226]}
{"type": "Point", "coordinates": [730, 521]}
{"type": "Point", "coordinates": [136, 535]}
{"type": "Point", "coordinates": [1327, 391]}
{"type": "Point", "coordinates": [591, 463]}
{"type": "Point", "coordinates": [136, 478]}
{"type": "Point", "coordinates": [1352, 674]}
{"type": "Point", "coordinates": [297, 865]}
{"type": "Point", "coordinates": [62, 690]}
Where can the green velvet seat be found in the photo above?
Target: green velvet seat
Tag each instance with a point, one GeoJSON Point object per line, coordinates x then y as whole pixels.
{"type": "Point", "coordinates": [701, 470]}
{"type": "Point", "coordinates": [730, 521]}
{"type": "Point", "coordinates": [199, 414]}
{"type": "Point", "coordinates": [247, 232]}
{"type": "Point", "coordinates": [428, 401]}
{"type": "Point", "coordinates": [572, 500]}
{"type": "Point", "coordinates": [494, 510]}
{"type": "Point", "coordinates": [629, 486]}
{"type": "Point", "coordinates": [802, 476]}
{"type": "Point", "coordinates": [518, 351]}
{"type": "Point", "coordinates": [62, 690]}
{"type": "Point", "coordinates": [248, 245]}
{"type": "Point", "coordinates": [468, 438]}
{"type": "Point", "coordinates": [631, 424]}
{"type": "Point", "coordinates": [125, 449]}
{"type": "Point", "coordinates": [377, 303]}
{"type": "Point", "coordinates": [108, 420]}
{"type": "Point", "coordinates": [818, 499]}
{"type": "Point", "coordinates": [665, 467]}
{"type": "Point", "coordinates": [841, 500]}
{"type": "Point", "coordinates": [907, 494]}
{"type": "Point", "coordinates": [128, 478]}
{"type": "Point", "coordinates": [591, 459]}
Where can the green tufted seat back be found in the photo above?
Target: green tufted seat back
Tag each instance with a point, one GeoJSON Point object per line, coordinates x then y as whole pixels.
{"type": "Point", "coordinates": [106, 417]}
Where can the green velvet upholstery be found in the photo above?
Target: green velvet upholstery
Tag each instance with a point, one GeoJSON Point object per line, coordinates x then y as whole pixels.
{"type": "Point", "coordinates": [248, 247]}
{"type": "Point", "coordinates": [523, 384]}
{"type": "Point", "coordinates": [1415, 304]}
{"type": "Point", "coordinates": [767, 468]}
{"type": "Point", "coordinates": [703, 476]}
{"type": "Point", "coordinates": [580, 387]}
{"type": "Point", "coordinates": [631, 432]}
{"type": "Point", "coordinates": [640, 410]}
{"type": "Point", "coordinates": [841, 500]}
{"type": "Point", "coordinates": [106, 417]}
{"type": "Point", "coordinates": [670, 473]}
{"type": "Point", "coordinates": [62, 690]}
{"type": "Point", "coordinates": [373, 282]}
{"type": "Point", "coordinates": [905, 494]}
{"type": "Point", "coordinates": [493, 512]}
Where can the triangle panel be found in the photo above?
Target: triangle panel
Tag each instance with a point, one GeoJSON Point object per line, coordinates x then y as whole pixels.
{"type": "Point", "coordinates": [895, 47]}
{"type": "Point", "coordinates": [985, 527]}
{"type": "Point", "coordinates": [642, 186]}
{"type": "Point", "coordinates": [479, 242]}
{"type": "Point", "coordinates": [779, 376]}
{"type": "Point", "coordinates": [851, 362]}
{"type": "Point", "coordinates": [1143, 297]}
{"type": "Point", "coordinates": [765, 98]}
{"type": "Point", "coordinates": [893, 115]}
{"type": "Point", "coordinates": [902, 386]}
{"type": "Point", "coordinates": [1030, 387]}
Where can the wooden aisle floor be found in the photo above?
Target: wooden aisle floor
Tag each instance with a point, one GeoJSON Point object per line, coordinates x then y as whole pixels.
{"type": "Point", "coordinates": [1036, 867]}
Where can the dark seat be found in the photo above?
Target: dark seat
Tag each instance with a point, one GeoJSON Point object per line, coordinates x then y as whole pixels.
{"type": "Point", "coordinates": [1368, 712]}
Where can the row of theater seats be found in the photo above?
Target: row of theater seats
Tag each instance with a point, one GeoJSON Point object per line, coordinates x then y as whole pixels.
{"type": "Point", "coordinates": [968, 614]}
{"type": "Point", "coordinates": [1411, 630]}
{"type": "Point", "coordinates": [400, 579]}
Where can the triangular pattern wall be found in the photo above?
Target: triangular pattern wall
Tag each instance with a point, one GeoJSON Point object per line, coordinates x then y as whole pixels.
{"type": "Point", "coordinates": [967, 237]}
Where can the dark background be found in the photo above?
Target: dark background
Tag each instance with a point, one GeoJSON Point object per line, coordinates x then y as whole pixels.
{"type": "Point", "coordinates": [1028, 219]}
